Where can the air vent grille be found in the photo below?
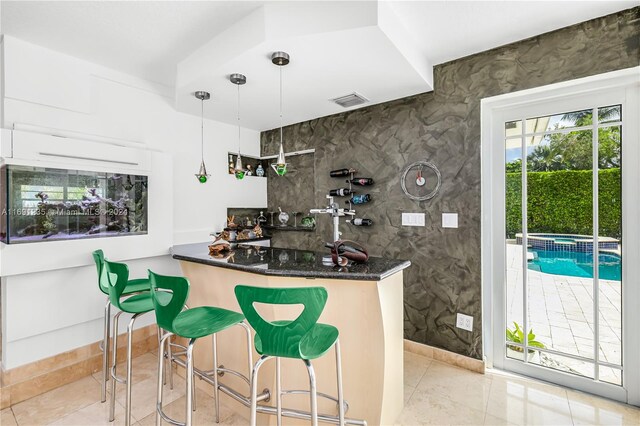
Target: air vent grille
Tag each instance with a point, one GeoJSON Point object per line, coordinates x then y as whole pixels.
{"type": "Point", "coordinates": [350, 100]}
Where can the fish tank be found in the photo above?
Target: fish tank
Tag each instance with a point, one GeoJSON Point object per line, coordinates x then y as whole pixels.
{"type": "Point", "coordinates": [47, 204]}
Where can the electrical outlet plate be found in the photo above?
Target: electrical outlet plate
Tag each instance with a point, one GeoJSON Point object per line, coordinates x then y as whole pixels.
{"type": "Point", "coordinates": [464, 322]}
{"type": "Point", "coordinates": [449, 220]}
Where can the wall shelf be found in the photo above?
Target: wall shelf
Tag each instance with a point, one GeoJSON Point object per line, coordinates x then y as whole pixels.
{"type": "Point", "coordinates": [290, 228]}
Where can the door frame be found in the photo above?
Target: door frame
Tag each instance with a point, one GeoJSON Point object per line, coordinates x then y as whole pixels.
{"type": "Point", "coordinates": [622, 86]}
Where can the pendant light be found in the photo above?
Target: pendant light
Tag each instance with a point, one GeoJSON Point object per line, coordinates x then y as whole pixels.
{"type": "Point", "coordinates": [239, 80]}
{"type": "Point", "coordinates": [202, 174]}
{"type": "Point", "coordinates": [280, 167]}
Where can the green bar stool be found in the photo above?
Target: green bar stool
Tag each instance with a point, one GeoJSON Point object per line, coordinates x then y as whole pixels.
{"type": "Point", "coordinates": [137, 305]}
{"type": "Point", "coordinates": [132, 287]}
{"type": "Point", "coordinates": [169, 295]}
{"type": "Point", "coordinates": [303, 338]}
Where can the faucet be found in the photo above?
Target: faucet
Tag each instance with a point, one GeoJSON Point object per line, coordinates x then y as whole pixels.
{"type": "Point", "coordinates": [336, 212]}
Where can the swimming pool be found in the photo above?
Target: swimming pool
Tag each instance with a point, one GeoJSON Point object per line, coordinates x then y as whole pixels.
{"type": "Point", "coordinates": [576, 264]}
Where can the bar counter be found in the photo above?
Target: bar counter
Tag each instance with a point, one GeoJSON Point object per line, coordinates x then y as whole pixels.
{"type": "Point", "coordinates": [365, 303]}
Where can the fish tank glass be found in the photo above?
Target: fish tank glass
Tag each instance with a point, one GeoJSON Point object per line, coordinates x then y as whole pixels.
{"type": "Point", "coordinates": [46, 204]}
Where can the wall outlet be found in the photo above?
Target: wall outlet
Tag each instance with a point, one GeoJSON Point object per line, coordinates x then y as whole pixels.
{"type": "Point", "coordinates": [464, 322]}
{"type": "Point", "coordinates": [413, 219]}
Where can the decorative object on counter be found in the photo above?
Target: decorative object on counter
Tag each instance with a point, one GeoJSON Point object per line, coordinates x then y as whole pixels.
{"type": "Point", "coordinates": [239, 80]}
{"type": "Point", "coordinates": [308, 222]}
{"type": "Point", "coordinates": [360, 199]}
{"type": "Point", "coordinates": [295, 218]}
{"type": "Point", "coordinates": [360, 222]}
{"type": "Point", "coordinates": [361, 181]}
{"type": "Point", "coordinates": [343, 251]}
{"type": "Point", "coordinates": [414, 183]}
{"type": "Point", "coordinates": [335, 211]}
{"type": "Point", "coordinates": [219, 247]}
{"type": "Point", "coordinates": [283, 217]}
{"type": "Point", "coordinates": [342, 172]}
{"type": "Point", "coordinates": [259, 170]}
{"type": "Point", "coordinates": [341, 192]}
{"type": "Point", "coordinates": [280, 167]}
{"type": "Point", "coordinates": [248, 222]}
{"type": "Point", "coordinates": [257, 230]}
{"type": "Point", "coordinates": [231, 222]}
{"type": "Point", "coordinates": [272, 214]}
{"type": "Point", "coordinates": [202, 173]}
{"type": "Point", "coordinates": [260, 220]}
{"type": "Point", "coordinates": [249, 170]}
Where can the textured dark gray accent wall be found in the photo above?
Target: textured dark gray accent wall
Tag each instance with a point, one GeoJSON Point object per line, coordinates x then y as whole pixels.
{"type": "Point", "coordinates": [442, 126]}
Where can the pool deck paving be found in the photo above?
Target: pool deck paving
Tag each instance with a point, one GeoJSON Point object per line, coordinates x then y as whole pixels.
{"type": "Point", "coordinates": [560, 313]}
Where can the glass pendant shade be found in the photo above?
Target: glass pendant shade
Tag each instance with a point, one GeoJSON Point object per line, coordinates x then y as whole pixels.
{"type": "Point", "coordinates": [202, 174]}
{"type": "Point", "coordinates": [280, 167]}
{"type": "Point", "coordinates": [240, 172]}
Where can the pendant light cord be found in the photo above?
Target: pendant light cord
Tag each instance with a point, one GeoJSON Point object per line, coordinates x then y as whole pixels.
{"type": "Point", "coordinates": [202, 129]}
{"type": "Point", "coordinates": [238, 120]}
{"type": "Point", "coordinates": [280, 105]}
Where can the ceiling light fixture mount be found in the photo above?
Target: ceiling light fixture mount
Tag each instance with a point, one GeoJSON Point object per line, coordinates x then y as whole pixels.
{"type": "Point", "coordinates": [202, 173]}
{"type": "Point", "coordinates": [280, 167]}
{"type": "Point", "coordinates": [239, 80]}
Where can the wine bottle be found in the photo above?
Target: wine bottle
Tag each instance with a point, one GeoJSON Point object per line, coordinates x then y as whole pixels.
{"type": "Point", "coordinates": [361, 181]}
{"type": "Point", "coordinates": [341, 172]}
{"type": "Point", "coordinates": [360, 222]}
{"type": "Point", "coordinates": [341, 192]}
{"type": "Point", "coordinates": [360, 199]}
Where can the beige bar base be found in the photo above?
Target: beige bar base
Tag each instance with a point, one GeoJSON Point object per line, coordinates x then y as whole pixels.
{"type": "Point", "coordinates": [370, 319]}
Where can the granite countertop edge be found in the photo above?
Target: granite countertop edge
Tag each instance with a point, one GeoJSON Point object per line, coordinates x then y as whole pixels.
{"type": "Point", "coordinates": [329, 273]}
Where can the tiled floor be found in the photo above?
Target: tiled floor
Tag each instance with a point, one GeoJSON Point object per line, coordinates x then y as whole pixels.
{"type": "Point", "coordinates": [435, 394]}
{"type": "Point", "coordinates": [560, 312]}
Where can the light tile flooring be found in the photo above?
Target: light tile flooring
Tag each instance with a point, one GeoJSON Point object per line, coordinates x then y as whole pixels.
{"type": "Point", "coordinates": [560, 312]}
{"type": "Point", "coordinates": [434, 394]}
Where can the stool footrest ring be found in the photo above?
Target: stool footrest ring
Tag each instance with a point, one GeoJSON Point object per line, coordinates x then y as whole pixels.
{"type": "Point", "coordinates": [167, 418]}
{"type": "Point", "coordinates": [323, 395]}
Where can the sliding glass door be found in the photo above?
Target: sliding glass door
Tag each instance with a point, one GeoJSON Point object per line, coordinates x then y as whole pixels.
{"type": "Point", "coordinates": [560, 298]}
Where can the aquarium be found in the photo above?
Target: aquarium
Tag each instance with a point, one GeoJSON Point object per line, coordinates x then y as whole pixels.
{"type": "Point", "coordinates": [45, 204]}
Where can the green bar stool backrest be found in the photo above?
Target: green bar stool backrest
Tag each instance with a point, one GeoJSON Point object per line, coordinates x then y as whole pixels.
{"type": "Point", "coordinates": [168, 309]}
{"type": "Point", "coordinates": [117, 279]}
{"type": "Point", "coordinates": [103, 283]}
{"type": "Point", "coordinates": [281, 338]}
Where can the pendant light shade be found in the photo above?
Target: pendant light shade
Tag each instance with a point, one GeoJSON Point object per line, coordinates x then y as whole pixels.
{"type": "Point", "coordinates": [202, 173]}
{"type": "Point", "coordinates": [280, 167]}
{"type": "Point", "coordinates": [238, 80]}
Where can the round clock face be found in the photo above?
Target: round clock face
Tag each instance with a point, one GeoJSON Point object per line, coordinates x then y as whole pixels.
{"type": "Point", "coordinates": [420, 180]}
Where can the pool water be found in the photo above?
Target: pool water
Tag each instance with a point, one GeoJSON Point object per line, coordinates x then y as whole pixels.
{"type": "Point", "coordinates": [576, 264]}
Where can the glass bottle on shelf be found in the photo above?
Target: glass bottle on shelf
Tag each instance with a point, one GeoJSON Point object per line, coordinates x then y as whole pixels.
{"type": "Point", "coordinates": [232, 168]}
{"type": "Point", "coordinates": [259, 170]}
{"type": "Point", "coordinates": [360, 222]}
{"type": "Point", "coordinates": [341, 172]}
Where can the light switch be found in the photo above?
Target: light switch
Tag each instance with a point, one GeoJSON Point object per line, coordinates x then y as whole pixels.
{"type": "Point", "coordinates": [413, 219]}
{"type": "Point", "coordinates": [449, 220]}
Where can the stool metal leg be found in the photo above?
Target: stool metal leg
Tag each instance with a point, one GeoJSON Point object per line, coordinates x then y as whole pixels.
{"type": "Point", "coordinates": [254, 388]}
{"type": "Point", "coordinates": [105, 350]}
{"type": "Point", "coordinates": [163, 341]}
{"type": "Point", "coordinates": [216, 389]}
{"type": "Point", "coordinates": [249, 344]}
{"type": "Point", "coordinates": [127, 407]}
{"type": "Point", "coordinates": [339, 382]}
{"type": "Point", "coordinates": [313, 393]}
{"type": "Point", "coordinates": [170, 363]}
{"type": "Point", "coordinates": [112, 407]}
{"type": "Point", "coordinates": [189, 379]}
{"type": "Point", "coordinates": [278, 393]}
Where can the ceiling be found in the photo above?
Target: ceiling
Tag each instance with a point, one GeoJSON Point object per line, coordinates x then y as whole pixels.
{"type": "Point", "coordinates": [383, 50]}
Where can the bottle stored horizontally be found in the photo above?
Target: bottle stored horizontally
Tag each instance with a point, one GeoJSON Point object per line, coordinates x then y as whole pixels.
{"type": "Point", "coordinates": [340, 192]}
{"type": "Point", "coordinates": [361, 181]}
{"type": "Point", "coordinates": [341, 172]}
{"type": "Point", "coordinates": [360, 222]}
{"type": "Point", "coordinates": [360, 199]}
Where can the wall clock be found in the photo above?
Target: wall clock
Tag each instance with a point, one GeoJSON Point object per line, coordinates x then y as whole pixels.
{"type": "Point", "coordinates": [420, 180]}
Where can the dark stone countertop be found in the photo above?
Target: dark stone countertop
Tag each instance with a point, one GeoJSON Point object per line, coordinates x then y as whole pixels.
{"type": "Point", "coordinates": [288, 262]}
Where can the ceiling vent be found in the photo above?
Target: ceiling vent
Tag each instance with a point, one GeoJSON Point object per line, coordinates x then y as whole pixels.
{"type": "Point", "coordinates": [350, 100]}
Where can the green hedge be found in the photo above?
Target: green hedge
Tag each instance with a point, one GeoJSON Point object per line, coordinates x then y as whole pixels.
{"type": "Point", "coordinates": [560, 202]}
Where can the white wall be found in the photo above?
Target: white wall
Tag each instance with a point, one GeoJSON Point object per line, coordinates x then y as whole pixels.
{"type": "Point", "coordinates": [46, 313]}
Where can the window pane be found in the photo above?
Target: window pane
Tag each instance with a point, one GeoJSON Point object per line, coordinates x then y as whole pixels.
{"type": "Point", "coordinates": [610, 113]}
{"type": "Point", "coordinates": [559, 121]}
{"type": "Point", "coordinates": [512, 128]}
